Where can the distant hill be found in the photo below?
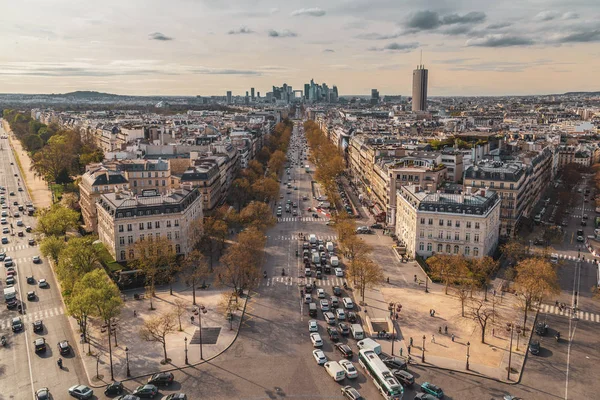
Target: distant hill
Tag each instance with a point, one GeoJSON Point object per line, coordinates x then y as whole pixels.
{"type": "Point", "coordinates": [581, 93]}
{"type": "Point", "coordinates": [88, 94]}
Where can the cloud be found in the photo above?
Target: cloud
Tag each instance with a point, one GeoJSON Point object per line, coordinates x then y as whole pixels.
{"type": "Point", "coordinates": [431, 20]}
{"type": "Point", "coordinates": [217, 71]}
{"type": "Point", "coordinates": [240, 31]}
{"type": "Point", "coordinates": [506, 66]}
{"type": "Point", "coordinates": [328, 51]}
{"type": "Point", "coordinates": [550, 15]}
{"type": "Point", "coordinates": [570, 15]}
{"type": "Point", "coordinates": [399, 47]}
{"type": "Point", "coordinates": [474, 17]}
{"type": "Point", "coordinates": [424, 20]}
{"type": "Point", "coordinates": [455, 61]}
{"type": "Point", "coordinates": [579, 37]}
{"type": "Point", "coordinates": [159, 36]}
{"type": "Point", "coordinates": [499, 25]}
{"type": "Point", "coordinates": [377, 36]}
{"type": "Point", "coordinates": [456, 30]}
{"type": "Point", "coordinates": [500, 40]}
{"type": "Point", "coordinates": [281, 34]}
{"type": "Point", "coordinates": [310, 12]}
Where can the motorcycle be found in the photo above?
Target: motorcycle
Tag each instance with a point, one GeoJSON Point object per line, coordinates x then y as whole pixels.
{"type": "Point", "coordinates": [3, 340]}
{"type": "Point", "coordinates": [557, 336]}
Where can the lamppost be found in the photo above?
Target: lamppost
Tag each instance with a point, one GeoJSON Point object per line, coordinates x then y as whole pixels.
{"type": "Point", "coordinates": [423, 350]}
{"type": "Point", "coordinates": [510, 327]}
{"type": "Point", "coordinates": [202, 310]}
{"type": "Point", "coordinates": [468, 347]}
{"type": "Point", "coordinates": [185, 342]}
{"type": "Point", "coordinates": [394, 308]}
{"type": "Point", "coordinates": [127, 361]}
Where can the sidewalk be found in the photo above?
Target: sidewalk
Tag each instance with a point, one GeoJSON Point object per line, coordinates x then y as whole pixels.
{"type": "Point", "coordinates": [145, 358]}
{"type": "Point", "coordinates": [36, 187]}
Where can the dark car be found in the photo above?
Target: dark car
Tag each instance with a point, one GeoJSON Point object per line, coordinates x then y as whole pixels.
{"type": "Point", "coordinates": [31, 295]}
{"type": "Point", "coordinates": [350, 393]}
{"type": "Point", "coordinates": [40, 345]}
{"type": "Point", "coordinates": [344, 329]}
{"type": "Point", "coordinates": [351, 317]}
{"type": "Point", "coordinates": [38, 326]}
{"type": "Point", "coordinates": [162, 378]}
{"type": "Point", "coordinates": [404, 377]}
{"type": "Point", "coordinates": [345, 350]}
{"type": "Point", "coordinates": [534, 347]}
{"type": "Point", "coordinates": [432, 389]}
{"type": "Point", "coordinates": [376, 226]}
{"type": "Point", "coordinates": [308, 288]}
{"type": "Point", "coordinates": [127, 397]}
{"type": "Point", "coordinates": [541, 328]}
{"type": "Point", "coordinates": [176, 396]}
{"type": "Point", "coordinates": [42, 394]}
{"type": "Point", "coordinates": [114, 388]}
{"type": "Point", "coordinates": [334, 335]}
{"type": "Point", "coordinates": [146, 391]}
{"type": "Point", "coordinates": [63, 347]}
{"type": "Point", "coordinates": [424, 396]}
{"type": "Point", "coordinates": [30, 280]}
{"type": "Point", "coordinates": [395, 363]}
{"type": "Point", "coordinates": [337, 291]}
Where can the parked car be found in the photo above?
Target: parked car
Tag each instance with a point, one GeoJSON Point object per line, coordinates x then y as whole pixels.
{"type": "Point", "coordinates": [81, 392]}
{"type": "Point", "coordinates": [432, 389]}
{"type": "Point", "coordinates": [162, 378]}
{"type": "Point", "coordinates": [534, 347]}
{"type": "Point", "coordinates": [113, 388]}
{"type": "Point", "coordinates": [146, 391]}
{"type": "Point", "coordinates": [319, 356]}
{"type": "Point", "coordinates": [350, 393]}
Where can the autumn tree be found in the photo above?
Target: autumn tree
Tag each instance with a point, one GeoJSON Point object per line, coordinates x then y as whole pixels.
{"type": "Point", "coordinates": [480, 273]}
{"type": "Point", "coordinates": [355, 247]}
{"type": "Point", "coordinates": [462, 292]}
{"type": "Point", "coordinates": [344, 227]}
{"type": "Point", "coordinates": [514, 251]}
{"type": "Point", "coordinates": [535, 278]}
{"type": "Point", "coordinates": [240, 192]}
{"type": "Point", "coordinates": [214, 233]}
{"type": "Point", "coordinates": [195, 269]}
{"type": "Point", "coordinates": [180, 306]}
{"type": "Point", "coordinates": [265, 189]}
{"type": "Point", "coordinates": [365, 273]}
{"type": "Point", "coordinates": [447, 268]}
{"type": "Point", "coordinates": [155, 258]}
{"type": "Point", "coordinates": [156, 329]}
{"type": "Point", "coordinates": [481, 314]}
{"type": "Point", "coordinates": [258, 215]}
{"type": "Point", "coordinates": [56, 220]}
{"type": "Point", "coordinates": [240, 265]}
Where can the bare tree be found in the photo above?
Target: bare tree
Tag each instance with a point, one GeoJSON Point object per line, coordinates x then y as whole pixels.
{"type": "Point", "coordinates": [180, 309]}
{"type": "Point", "coordinates": [156, 329]}
{"type": "Point", "coordinates": [481, 314]}
{"type": "Point", "coordinates": [195, 269]}
{"type": "Point", "coordinates": [366, 273]}
{"type": "Point", "coordinates": [462, 291]}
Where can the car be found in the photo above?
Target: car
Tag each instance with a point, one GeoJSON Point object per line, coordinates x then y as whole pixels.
{"type": "Point", "coordinates": [20, 234]}
{"type": "Point", "coordinates": [38, 325]}
{"type": "Point", "coordinates": [12, 193]}
{"type": "Point", "coordinates": [343, 328]}
{"type": "Point", "coordinates": [148, 391]}
{"type": "Point", "coordinates": [580, 239]}
{"type": "Point", "coordinates": [63, 347]}
{"type": "Point", "coordinates": [10, 281]}
{"type": "Point", "coordinates": [350, 393]}
{"type": "Point", "coordinates": [127, 397]}
{"type": "Point", "coordinates": [324, 305]}
{"type": "Point", "coordinates": [316, 340]}
{"type": "Point", "coordinates": [351, 317]}
{"type": "Point", "coordinates": [30, 280]}
{"type": "Point", "coordinates": [329, 317]}
{"type": "Point", "coordinates": [404, 377]}
{"type": "Point", "coordinates": [351, 371]}
{"type": "Point", "coordinates": [320, 293]}
{"type": "Point", "coordinates": [16, 214]}
{"type": "Point", "coordinates": [2, 256]}
{"type": "Point", "coordinates": [31, 295]}
{"type": "Point", "coordinates": [319, 356]}
{"type": "Point", "coordinates": [432, 389]}
{"type": "Point", "coordinates": [81, 392]}
{"type": "Point", "coordinates": [162, 378]}
{"type": "Point", "coordinates": [175, 396]}
{"type": "Point", "coordinates": [17, 324]}
{"type": "Point", "coordinates": [345, 350]}
{"type": "Point", "coordinates": [395, 363]}
{"type": "Point", "coordinates": [337, 291]}
{"type": "Point", "coordinates": [534, 347]}
{"type": "Point", "coordinates": [8, 262]}
{"type": "Point", "coordinates": [42, 283]}
{"type": "Point", "coordinates": [313, 326]}
{"type": "Point", "coordinates": [40, 345]}
{"type": "Point", "coordinates": [42, 394]}
{"type": "Point", "coordinates": [377, 226]}
{"type": "Point", "coordinates": [3, 221]}
{"type": "Point", "coordinates": [340, 314]}
{"type": "Point", "coordinates": [541, 328]}
{"type": "Point", "coordinates": [334, 335]}
{"type": "Point", "coordinates": [348, 304]}
{"type": "Point", "coordinates": [27, 229]}
{"type": "Point", "coordinates": [4, 240]}
{"type": "Point", "coordinates": [424, 396]}
{"type": "Point", "coordinates": [5, 231]}
{"type": "Point", "coordinates": [31, 242]}
{"type": "Point", "coordinates": [339, 272]}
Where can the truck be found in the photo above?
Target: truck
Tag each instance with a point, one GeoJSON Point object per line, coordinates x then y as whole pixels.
{"type": "Point", "coordinates": [10, 297]}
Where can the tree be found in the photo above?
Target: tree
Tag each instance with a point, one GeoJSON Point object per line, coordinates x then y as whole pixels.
{"type": "Point", "coordinates": [258, 215]}
{"type": "Point", "coordinates": [156, 329]}
{"type": "Point", "coordinates": [265, 189]}
{"type": "Point", "coordinates": [447, 268]}
{"type": "Point", "coordinates": [356, 247]}
{"type": "Point", "coordinates": [240, 265]}
{"type": "Point", "coordinates": [51, 246]}
{"type": "Point", "coordinates": [80, 306]}
{"type": "Point", "coordinates": [240, 192]}
{"type": "Point", "coordinates": [514, 251]}
{"type": "Point", "coordinates": [365, 273]}
{"type": "Point", "coordinates": [57, 155]}
{"type": "Point", "coordinates": [154, 258]}
{"type": "Point", "coordinates": [79, 257]}
{"type": "Point", "coordinates": [195, 269]}
{"type": "Point", "coordinates": [344, 227]}
{"type": "Point", "coordinates": [481, 314]}
{"type": "Point", "coordinates": [535, 279]}
{"type": "Point", "coordinates": [462, 291]}
{"type": "Point", "coordinates": [481, 270]}
{"type": "Point", "coordinates": [180, 309]}
{"type": "Point", "coordinates": [32, 142]}
{"type": "Point", "coordinates": [56, 220]}
{"type": "Point", "coordinates": [213, 237]}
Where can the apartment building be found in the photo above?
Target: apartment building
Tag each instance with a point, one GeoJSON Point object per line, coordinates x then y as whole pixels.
{"type": "Point", "coordinates": [124, 218]}
{"type": "Point", "coordinates": [431, 222]}
{"type": "Point", "coordinates": [145, 174]}
{"type": "Point", "coordinates": [96, 181]}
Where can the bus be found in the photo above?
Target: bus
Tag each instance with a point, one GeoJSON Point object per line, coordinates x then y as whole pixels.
{"type": "Point", "coordinates": [388, 385]}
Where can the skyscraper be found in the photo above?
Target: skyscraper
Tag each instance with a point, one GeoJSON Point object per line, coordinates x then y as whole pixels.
{"type": "Point", "coordinates": [252, 93]}
{"type": "Point", "coordinates": [229, 97]}
{"type": "Point", "coordinates": [419, 89]}
{"type": "Point", "coordinates": [374, 96]}
{"type": "Point", "coordinates": [306, 90]}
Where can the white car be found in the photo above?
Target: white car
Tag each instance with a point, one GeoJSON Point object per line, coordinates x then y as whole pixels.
{"type": "Point", "coordinates": [320, 293]}
{"type": "Point", "coordinates": [339, 272]}
{"type": "Point", "coordinates": [324, 305]}
{"type": "Point", "coordinates": [350, 369]}
{"type": "Point", "coordinates": [319, 357]}
{"type": "Point", "coordinates": [42, 283]}
{"type": "Point", "coordinates": [348, 304]}
{"type": "Point", "coordinates": [340, 314]}
{"type": "Point", "coordinates": [316, 340]}
{"type": "Point", "coordinates": [313, 326]}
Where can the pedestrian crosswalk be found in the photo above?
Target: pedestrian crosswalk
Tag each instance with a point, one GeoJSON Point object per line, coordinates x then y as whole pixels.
{"type": "Point", "coordinates": [582, 209]}
{"type": "Point", "coordinates": [301, 219]}
{"type": "Point", "coordinates": [575, 258]}
{"type": "Point", "coordinates": [568, 312]}
{"type": "Point", "coordinates": [330, 238]}
{"type": "Point", "coordinates": [33, 316]}
{"type": "Point", "coordinates": [16, 248]}
{"type": "Point", "coordinates": [289, 281]}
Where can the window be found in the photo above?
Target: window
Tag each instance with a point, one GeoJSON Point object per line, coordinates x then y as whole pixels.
{"type": "Point", "coordinates": [476, 238]}
{"type": "Point", "coordinates": [150, 237]}
{"type": "Point", "coordinates": [456, 235]}
{"type": "Point", "coordinates": [176, 222]}
{"type": "Point", "coordinates": [501, 185]}
{"type": "Point", "coordinates": [422, 221]}
{"type": "Point", "coordinates": [163, 182]}
{"type": "Point", "coordinates": [122, 254]}
{"type": "Point", "coordinates": [422, 234]}
{"type": "Point", "coordinates": [149, 225]}
{"type": "Point", "coordinates": [430, 234]}
{"type": "Point", "coordinates": [122, 240]}
{"type": "Point", "coordinates": [448, 249]}
{"type": "Point", "coordinates": [168, 223]}
{"type": "Point", "coordinates": [430, 222]}
{"type": "Point", "coordinates": [428, 246]}
{"type": "Point", "coordinates": [468, 224]}
{"type": "Point", "coordinates": [456, 249]}
{"type": "Point", "coordinates": [157, 224]}
{"type": "Point", "coordinates": [449, 222]}
{"type": "Point", "coordinates": [440, 248]}
{"type": "Point", "coordinates": [476, 225]}
{"type": "Point", "coordinates": [441, 222]}
{"type": "Point", "coordinates": [457, 224]}
{"type": "Point", "coordinates": [150, 182]}
{"type": "Point", "coordinates": [441, 234]}
{"type": "Point", "coordinates": [129, 227]}
{"type": "Point", "coordinates": [176, 234]}
{"type": "Point", "coordinates": [134, 183]}
{"type": "Point", "coordinates": [169, 236]}
{"type": "Point", "coordinates": [467, 250]}
{"type": "Point", "coordinates": [491, 184]}
{"type": "Point", "coordinates": [512, 186]}
{"type": "Point", "coordinates": [131, 254]}
{"type": "Point", "coordinates": [142, 237]}
{"type": "Point", "coordinates": [421, 246]}
{"type": "Point", "coordinates": [475, 251]}
{"type": "Point", "coordinates": [129, 239]}
{"type": "Point", "coordinates": [120, 228]}
{"type": "Point", "coordinates": [467, 237]}
{"type": "Point", "coordinates": [177, 249]}
{"type": "Point", "coordinates": [141, 226]}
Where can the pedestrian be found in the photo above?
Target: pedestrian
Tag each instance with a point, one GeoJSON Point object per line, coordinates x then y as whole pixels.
{"type": "Point", "coordinates": [408, 348]}
{"type": "Point", "coordinates": [440, 330]}
{"type": "Point", "coordinates": [432, 338]}
{"type": "Point", "coordinates": [192, 319]}
{"type": "Point", "coordinates": [134, 313]}
{"type": "Point", "coordinates": [446, 329]}
{"type": "Point", "coordinates": [411, 341]}
{"type": "Point", "coordinates": [415, 277]}
{"type": "Point", "coordinates": [400, 351]}
{"type": "Point", "coordinates": [433, 313]}
{"type": "Point", "coordinates": [453, 337]}
{"type": "Point", "coordinates": [388, 279]}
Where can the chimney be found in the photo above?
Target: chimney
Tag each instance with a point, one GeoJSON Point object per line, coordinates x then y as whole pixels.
{"type": "Point", "coordinates": [482, 192]}
{"type": "Point", "coordinates": [462, 197]}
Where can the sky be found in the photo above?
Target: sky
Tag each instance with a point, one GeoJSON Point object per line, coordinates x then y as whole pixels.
{"type": "Point", "coordinates": [206, 47]}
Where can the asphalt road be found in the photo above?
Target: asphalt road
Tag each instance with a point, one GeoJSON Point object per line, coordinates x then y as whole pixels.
{"type": "Point", "coordinates": [22, 371]}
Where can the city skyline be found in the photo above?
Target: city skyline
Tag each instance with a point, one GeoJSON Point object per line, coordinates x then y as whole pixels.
{"type": "Point", "coordinates": [208, 48]}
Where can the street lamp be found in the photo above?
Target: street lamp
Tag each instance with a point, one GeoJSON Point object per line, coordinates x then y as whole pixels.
{"type": "Point", "coordinates": [510, 327]}
{"type": "Point", "coordinates": [185, 342]}
{"type": "Point", "coordinates": [127, 361]}
{"type": "Point", "coordinates": [202, 310]}
{"type": "Point", "coordinates": [468, 347]}
{"type": "Point", "coordinates": [423, 350]}
{"type": "Point", "coordinates": [394, 308]}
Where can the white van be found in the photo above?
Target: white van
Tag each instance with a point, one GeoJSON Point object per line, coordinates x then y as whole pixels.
{"type": "Point", "coordinates": [329, 246]}
{"type": "Point", "coordinates": [334, 261]}
{"type": "Point", "coordinates": [312, 238]}
{"type": "Point", "coordinates": [357, 331]}
{"type": "Point", "coordinates": [369, 344]}
{"type": "Point", "coordinates": [335, 370]}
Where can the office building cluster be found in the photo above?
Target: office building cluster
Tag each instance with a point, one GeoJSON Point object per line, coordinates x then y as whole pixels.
{"type": "Point", "coordinates": [281, 95]}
